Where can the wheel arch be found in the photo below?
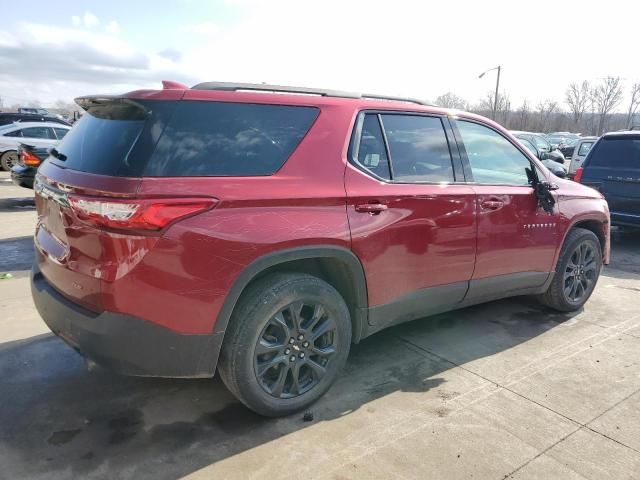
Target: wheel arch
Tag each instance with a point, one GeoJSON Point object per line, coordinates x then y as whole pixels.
{"type": "Point", "coordinates": [596, 223]}
{"type": "Point", "coordinates": [336, 265]}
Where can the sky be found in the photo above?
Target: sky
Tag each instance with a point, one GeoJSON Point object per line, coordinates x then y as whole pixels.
{"type": "Point", "coordinates": [59, 50]}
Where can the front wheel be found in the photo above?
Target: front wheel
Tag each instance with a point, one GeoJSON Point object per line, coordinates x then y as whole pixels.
{"type": "Point", "coordinates": [287, 340]}
{"type": "Point", "coordinates": [577, 271]}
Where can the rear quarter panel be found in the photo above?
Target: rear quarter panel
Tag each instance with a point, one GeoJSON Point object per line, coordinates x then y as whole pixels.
{"type": "Point", "coordinates": [183, 281]}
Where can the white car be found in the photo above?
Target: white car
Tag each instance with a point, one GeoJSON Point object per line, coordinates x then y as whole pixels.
{"type": "Point", "coordinates": [580, 152]}
{"type": "Point", "coordinates": [38, 134]}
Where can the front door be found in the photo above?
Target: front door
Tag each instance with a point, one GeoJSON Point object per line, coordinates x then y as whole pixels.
{"type": "Point", "coordinates": [412, 226]}
{"type": "Point", "coordinates": [517, 240]}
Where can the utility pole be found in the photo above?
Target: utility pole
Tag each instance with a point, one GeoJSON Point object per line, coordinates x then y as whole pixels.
{"type": "Point", "coordinates": [495, 97]}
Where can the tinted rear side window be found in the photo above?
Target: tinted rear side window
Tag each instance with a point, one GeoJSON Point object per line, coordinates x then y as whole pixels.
{"type": "Point", "coordinates": [229, 139]}
{"type": "Point", "coordinates": [616, 152]}
{"type": "Point", "coordinates": [418, 147]}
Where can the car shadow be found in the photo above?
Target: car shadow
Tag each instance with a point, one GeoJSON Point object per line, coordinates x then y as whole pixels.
{"type": "Point", "coordinates": [17, 204]}
{"type": "Point", "coordinates": [57, 418]}
{"type": "Point", "coordinates": [625, 263]}
{"type": "Point", "coordinates": [16, 254]}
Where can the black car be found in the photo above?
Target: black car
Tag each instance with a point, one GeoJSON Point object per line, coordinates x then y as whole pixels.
{"type": "Point", "coordinates": [30, 158]}
{"type": "Point", "coordinates": [541, 144]}
{"type": "Point", "coordinates": [9, 117]}
{"type": "Point", "coordinates": [557, 169]}
{"type": "Point", "coordinates": [567, 146]}
{"type": "Point", "coordinates": [613, 168]}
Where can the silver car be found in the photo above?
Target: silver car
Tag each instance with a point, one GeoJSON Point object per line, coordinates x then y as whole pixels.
{"type": "Point", "coordinates": [38, 134]}
{"type": "Point", "coordinates": [582, 148]}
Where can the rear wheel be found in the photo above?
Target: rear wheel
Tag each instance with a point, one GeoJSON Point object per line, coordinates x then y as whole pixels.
{"type": "Point", "coordinates": [287, 341]}
{"type": "Point", "coordinates": [577, 271]}
{"type": "Point", "coordinates": [8, 159]}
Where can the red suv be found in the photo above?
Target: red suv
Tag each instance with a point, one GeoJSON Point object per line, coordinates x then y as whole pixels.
{"type": "Point", "coordinates": [260, 230]}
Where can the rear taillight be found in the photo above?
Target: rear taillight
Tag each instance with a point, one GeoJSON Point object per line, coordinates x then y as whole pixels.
{"type": "Point", "coordinates": [29, 159]}
{"type": "Point", "coordinates": [578, 176]}
{"type": "Point", "coordinates": [137, 214]}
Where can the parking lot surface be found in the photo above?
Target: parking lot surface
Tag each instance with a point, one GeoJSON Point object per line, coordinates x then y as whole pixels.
{"type": "Point", "coordinates": [502, 390]}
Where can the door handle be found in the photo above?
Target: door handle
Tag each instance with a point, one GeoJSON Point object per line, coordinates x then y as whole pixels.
{"type": "Point", "coordinates": [492, 204]}
{"type": "Point", "coordinates": [372, 208]}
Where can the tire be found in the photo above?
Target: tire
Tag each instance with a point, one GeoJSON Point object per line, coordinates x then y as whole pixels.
{"type": "Point", "coordinates": [572, 269]}
{"type": "Point", "coordinates": [264, 351]}
{"type": "Point", "coordinates": [8, 159]}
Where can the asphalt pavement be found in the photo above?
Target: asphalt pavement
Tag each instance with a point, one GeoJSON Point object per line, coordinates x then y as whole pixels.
{"type": "Point", "coordinates": [503, 390]}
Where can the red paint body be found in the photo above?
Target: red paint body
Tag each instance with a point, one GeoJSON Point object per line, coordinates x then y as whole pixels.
{"type": "Point", "coordinates": [429, 235]}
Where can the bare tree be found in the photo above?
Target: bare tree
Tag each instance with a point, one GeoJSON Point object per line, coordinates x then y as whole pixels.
{"type": "Point", "coordinates": [633, 106]}
{"type": "Point", "coordinates": [451, 100]}
{"type": "Point", "coordinates": [524, 112]}
{"type": "Point", "coordinates": [577, 97]}
{"type": "Point", "coordinates": [546, 109]}
{"type": "Point", "coordinates": [606, 96]}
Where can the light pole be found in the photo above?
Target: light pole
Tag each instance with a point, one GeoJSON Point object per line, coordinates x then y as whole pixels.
{"type": "Point", "coordinates": [495, 98]}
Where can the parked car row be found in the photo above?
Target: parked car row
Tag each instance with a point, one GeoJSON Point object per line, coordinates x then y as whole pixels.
{"type": "Point", "coordinates": [7, 118]}
{"type": "Point", "coordinates": [37, 134]}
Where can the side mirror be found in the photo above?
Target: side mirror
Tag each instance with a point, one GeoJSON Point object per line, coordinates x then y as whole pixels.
{"type": "Point", "coordinates": [545, 199]}
{"type": "Point", "coordinates": [543, 155]}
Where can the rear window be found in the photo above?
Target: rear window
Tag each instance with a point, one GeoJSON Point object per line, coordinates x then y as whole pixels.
{"type": "Point", "coordinates": [584, 148]}
{"type": "Point", "coordinates": [159, 138]}
{"type": "Point", "coordinates": [229, 139]}
{"type": "Point", "coordinates": [102, 140]}
{"type": "Point", "coordinates": [616, 152]}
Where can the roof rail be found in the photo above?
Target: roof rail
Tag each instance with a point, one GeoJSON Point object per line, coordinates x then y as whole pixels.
{"type": "Point", "coordinates": [263, 87]}
{"type": "Point", "coordinates": [374, 96]}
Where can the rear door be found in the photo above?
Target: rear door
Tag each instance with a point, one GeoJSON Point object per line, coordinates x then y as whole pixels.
{"type": "Point", "coordinates": [412, 223]}
{"type": "Point", "coordinates": [613, 167]}
{"type": "Point", "coordinates": [517, 240]}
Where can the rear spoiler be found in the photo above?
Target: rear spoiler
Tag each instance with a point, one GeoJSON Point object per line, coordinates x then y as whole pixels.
{"type": "Point", "coordinates": [120, 107]}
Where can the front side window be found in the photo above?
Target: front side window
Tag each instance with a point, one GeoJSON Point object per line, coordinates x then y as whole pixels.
{"type": "Point", "coordinates": [542, 144]}
{"type": "Point", "coordinates": [493, 159]}
{"type": "Point", "coordinates": [529, 146]}
{"type": "Point", "coordinates": [38, 132]}
{"type": "Point", "coordinates": [418, 148]}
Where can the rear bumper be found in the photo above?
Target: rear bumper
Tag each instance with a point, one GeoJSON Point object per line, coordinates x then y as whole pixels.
{"type": "Point", "coordinates": [122, 343]}
{"type": "Point", "coordinates": [23, 176]}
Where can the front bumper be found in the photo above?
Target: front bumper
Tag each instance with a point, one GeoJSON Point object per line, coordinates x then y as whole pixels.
{"type": "Point", "coordinates": [23, 176]}
{"type": "Point", "coordinates": [122, 343]}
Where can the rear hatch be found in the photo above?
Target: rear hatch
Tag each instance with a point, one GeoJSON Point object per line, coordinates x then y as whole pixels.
{"type": "Point", "coordinates": [102, 157]}
{"type": "Point", "coordinates": [613, 167]}
{"type": "Point", "coordinates": [116, 181]}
